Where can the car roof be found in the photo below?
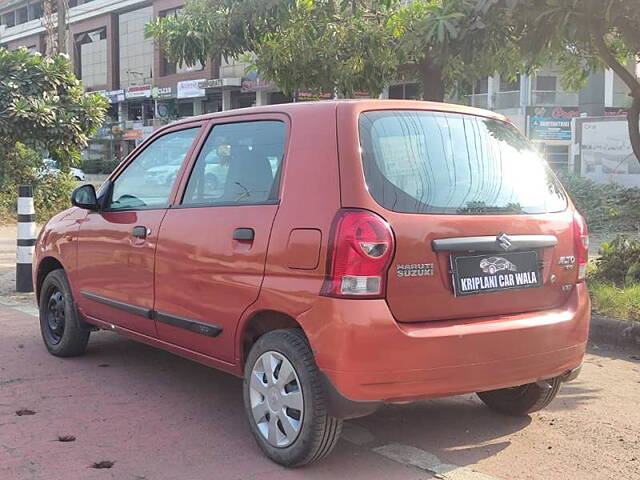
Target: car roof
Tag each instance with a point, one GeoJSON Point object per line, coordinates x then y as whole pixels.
{"type": "Point", "coordinates": [361, 105]}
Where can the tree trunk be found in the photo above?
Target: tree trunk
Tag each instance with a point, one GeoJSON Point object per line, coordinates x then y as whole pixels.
{"type": "Point", "coordinates": [432, 82]}
{"type": "Point", "coordinates": [634, 126]}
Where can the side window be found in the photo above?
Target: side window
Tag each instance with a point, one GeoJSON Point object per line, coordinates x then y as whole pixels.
{"type": "Point", "coordinates": [238, 164]}
{"type": "Point", "coordinates": [147, 181]}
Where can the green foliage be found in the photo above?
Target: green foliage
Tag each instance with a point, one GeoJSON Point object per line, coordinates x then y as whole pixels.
{"type": "Point", "coordinates": [44, 107]}
{"type": "Point", "coordinates": [606, 207]}
{"type": "Point", "coordinates": [461, 40]}
{"type": "Point", "coordinates": [347, 45]}
{"type": "Point", "coordinates": [51, 193]}
{"type": "Point", "coordinates": [619, 261]}
{"type": "Point", "coordinates": [323, 47]}
{"type": "Point", "coordinates": [616, 302]}
{"type": "Point", "coordinates": [583, 36]}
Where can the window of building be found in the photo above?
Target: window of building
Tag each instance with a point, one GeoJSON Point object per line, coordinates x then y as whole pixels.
{"type": "Point", "coordinates": [481, 86]}
{"type": "Point", "coordinates": [185, 109]}
{"type": "Point", "coordinates": [507, 85]}
{"type": "Point", "coordinates": [406, 91]}
{"type": "Point", "coordinates": [9, 19]}
{"type": "Point", "coordinates": [92, 67]}
{"type": "Point", "coordinates": [35, 11]}
{"type": "Point", "coordinates": [546, 83]}
{"type": "Point", "coordinates": [22, 15]}
{"type": "Point", "coordinates": [239, 164]}
{"type": "Point", "coordinates": [136, 51]}
{"type": "Point", "coordinates": [171, 68]}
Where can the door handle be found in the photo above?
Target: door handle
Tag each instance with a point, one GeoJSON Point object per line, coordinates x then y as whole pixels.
{"type": "Point", "coordinates": [243, 234]}
{"type": "Point", "coordinates": [140, 231]}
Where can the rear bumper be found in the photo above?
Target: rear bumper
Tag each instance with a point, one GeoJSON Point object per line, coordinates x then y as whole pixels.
{"type": "Point", "coordinates": [368, 357]}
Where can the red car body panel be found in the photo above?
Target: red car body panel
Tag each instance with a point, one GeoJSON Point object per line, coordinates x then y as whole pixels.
{"type": "Point", "coordinates": [420, 341]}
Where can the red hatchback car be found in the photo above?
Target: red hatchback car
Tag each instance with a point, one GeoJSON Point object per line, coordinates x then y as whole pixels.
{"type": "Point", "coordinates": [337, 255]}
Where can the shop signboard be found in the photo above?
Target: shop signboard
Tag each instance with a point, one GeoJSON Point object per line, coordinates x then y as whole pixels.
{"type": "Point", "coordinates": [132, 134]}
{"type": "Point", "coordinates": [220, 82]}
{"type": "Point", "coordinates": [114, 96]}
{"type": "Point", "coordinates": [190, 89]}
{"type": "Point", "coordinates": [139, 91]}
{"type": "Point", "coordinates": [161, 93]}
{"type": "Point", "coordinates": [604, 152]}
{"type": "Point", "coordinates": [615, 112]}
{"type": "Point", "coordinates": [551, 123]}
{"type": "Point", "coordinates": [253, 83]}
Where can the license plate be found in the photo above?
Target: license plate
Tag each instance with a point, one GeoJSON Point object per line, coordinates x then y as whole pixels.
{"type": "Point", "coordinates": [492, 273]}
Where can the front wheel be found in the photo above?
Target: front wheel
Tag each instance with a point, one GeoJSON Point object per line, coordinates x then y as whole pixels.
{"type": "Point", "coordinates": [522, 400]}
{"type": "Point", "coordinates": [63, 332]}
{"type": "Point", "coordinates": [285, 400]}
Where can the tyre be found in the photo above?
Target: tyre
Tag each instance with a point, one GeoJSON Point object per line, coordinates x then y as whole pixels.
{"type": "Point", "coordinates": [285, 400]}
{"type": "Point", "coordinates": [63, 332]}
{"type": "Point", "coordinates": [522, 400]}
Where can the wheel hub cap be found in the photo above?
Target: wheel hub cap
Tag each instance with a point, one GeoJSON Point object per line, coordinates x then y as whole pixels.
{"type": "Point", "coordinates": [276, 399]}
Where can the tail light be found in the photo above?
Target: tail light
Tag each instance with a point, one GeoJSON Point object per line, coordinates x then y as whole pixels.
{"type": "Point", "coordinates": [359, 255]}
{"type": "Point", "coordinates": [581, 241]}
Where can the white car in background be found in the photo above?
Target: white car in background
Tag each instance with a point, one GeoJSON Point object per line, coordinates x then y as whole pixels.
{"type": "Point", "coordinates": [51, 168]}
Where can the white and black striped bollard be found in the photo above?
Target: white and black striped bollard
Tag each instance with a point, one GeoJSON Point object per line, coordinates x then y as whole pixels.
{"type": "Point", "coordinates": [26, 239]}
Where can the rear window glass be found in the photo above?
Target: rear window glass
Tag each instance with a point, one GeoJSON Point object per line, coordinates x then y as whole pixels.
{"type": "Point", "coordinates": [431, 162]}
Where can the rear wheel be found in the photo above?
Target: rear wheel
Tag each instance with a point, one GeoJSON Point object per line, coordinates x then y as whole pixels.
{"type": "Point", "coordinates": [522, 400]}
{"type": "Point", "coordinates": [63, 332]}
{"type": "Point", "coordinates": [285, 400]}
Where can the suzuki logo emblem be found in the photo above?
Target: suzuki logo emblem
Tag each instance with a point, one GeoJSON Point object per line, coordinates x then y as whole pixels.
{"type": "Point", "coordinates": [504, 241]}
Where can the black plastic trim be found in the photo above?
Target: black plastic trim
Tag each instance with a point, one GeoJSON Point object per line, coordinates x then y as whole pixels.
{"type": "Point", "coordinates": [127, 307]}
{"type": "Point", "coordinates": [244, 234]}
{"type": "Point", "coordinates": [179, 206]}
{"type": "Point", "coordinates": [342, 407]}
{"type": "Point", "coordinates": [26, 217]}
{"type": "Point", "coordinates": [490, 243]}
{"type": "Point", "coordinates": [206, 329]}
{"type": "Point", "coordinates": [26, 242]}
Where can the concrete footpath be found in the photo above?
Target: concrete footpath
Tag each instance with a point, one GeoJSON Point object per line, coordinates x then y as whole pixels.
{"type": "Point", "coordinates": [147, 414]}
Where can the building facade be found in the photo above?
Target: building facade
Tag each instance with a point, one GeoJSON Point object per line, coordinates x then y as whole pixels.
{"type": "Point", "coordinates": [111, 56]}
{"type": "Point", "coordinates": [544, 110]}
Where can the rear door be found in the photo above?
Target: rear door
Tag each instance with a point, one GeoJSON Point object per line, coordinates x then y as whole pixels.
{"type": "Point", "coordinates": [482, 227]}
{"type": "Point", "coordinates": [211, 253]}
{"type": "Point", "coordinates": [116, 245]}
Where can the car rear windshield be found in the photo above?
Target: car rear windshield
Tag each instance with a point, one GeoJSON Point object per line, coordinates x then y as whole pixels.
{"type": "Point", "coordinates": [449, 163]}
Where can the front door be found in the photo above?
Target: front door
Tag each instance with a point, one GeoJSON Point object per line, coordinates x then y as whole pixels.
{"type": "Point", "coordinates": [116, 245]}
{"type": "Point", "coordinates": [211, 253]}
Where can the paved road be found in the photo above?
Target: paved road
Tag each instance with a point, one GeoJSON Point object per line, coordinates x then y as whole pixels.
{"type": "Point", "coordinates": [158, 416]}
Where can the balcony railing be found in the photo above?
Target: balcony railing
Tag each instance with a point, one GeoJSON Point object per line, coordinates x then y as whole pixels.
{"type": "Point", "coordinates": [554, 98]}
{"type": "Point", "coordinates": [507, 99]}
{"type": "Point", "coordinates": [480, 100]}
{"type": "Point", "coordinates": [621, 100]}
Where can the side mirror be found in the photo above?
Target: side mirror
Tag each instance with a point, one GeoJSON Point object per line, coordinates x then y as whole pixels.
{"type": "Point", "coordinates": [85, 197]}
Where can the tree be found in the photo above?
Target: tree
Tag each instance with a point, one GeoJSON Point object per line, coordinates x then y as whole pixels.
{"type": "Point", "coordinates": [321, 46]}
{"type": "Point", "coordinates": [43, 107]}
{"type": "Point", "coordinates": [444, 43]}
{"type": "Point", "coordinates": [348, 45]}
{"type": "Point", "coordinates": [329, 46]}
{"type": "Point", "coordinates": [584, 36]}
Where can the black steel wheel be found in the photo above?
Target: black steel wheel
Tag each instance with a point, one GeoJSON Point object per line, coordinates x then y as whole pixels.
{"type": "Point", "coordinates": [54, 316]}
{"type": "Point", "coordinates": [63, 331]}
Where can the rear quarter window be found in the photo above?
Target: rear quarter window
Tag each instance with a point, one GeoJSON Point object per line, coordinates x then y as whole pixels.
{"type": "Point", "coordinates": [448, 163]}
